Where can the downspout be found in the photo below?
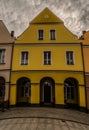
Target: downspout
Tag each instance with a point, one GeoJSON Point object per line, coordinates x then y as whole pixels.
{"type": "Point", "coordinates": [84, 75]}
{"type": "Point", "coordinates": [10, 74]}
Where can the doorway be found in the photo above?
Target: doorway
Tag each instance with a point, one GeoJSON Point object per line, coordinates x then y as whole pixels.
{"type": "Point", "coordinates": [23, 91]}
{"type": "Point", "coordinates": [71, 92]}
{"type": "Point", "coordinates": [47, 91]}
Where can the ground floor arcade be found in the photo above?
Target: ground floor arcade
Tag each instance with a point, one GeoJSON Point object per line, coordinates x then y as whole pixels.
{"type": "Point", "coordinates": [48, 88]}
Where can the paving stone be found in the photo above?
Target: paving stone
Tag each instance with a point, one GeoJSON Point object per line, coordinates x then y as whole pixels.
{"type": "Point", "coordinates": [52, 119]}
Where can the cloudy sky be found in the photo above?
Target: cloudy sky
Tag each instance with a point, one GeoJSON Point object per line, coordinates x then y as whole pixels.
{"type": "Point", "coordinates": [17, 14]}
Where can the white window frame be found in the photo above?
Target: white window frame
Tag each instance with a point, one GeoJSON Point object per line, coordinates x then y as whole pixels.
{"type": "Point", "coordinates": [47, 59]}
{"type": "Point", "coordinates": [50, 34]}
{"type": "Point", "coordinates": [2, 60]}
{"type": "Point", "coordinates": [70, 59]}
{"type": "Point", "coordinates": [21, 58]}
{"type": "Point", "coordinates": [41, 37]}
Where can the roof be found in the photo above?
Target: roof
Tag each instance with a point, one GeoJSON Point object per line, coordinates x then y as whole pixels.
{"type": "Point", "coordinates": [5, 36]}
{"type": "Point", "coordinates": [46, 16]}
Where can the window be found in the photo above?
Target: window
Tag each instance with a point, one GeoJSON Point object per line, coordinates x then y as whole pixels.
{"type": "Point", "coordinates": [24, 58]}
{"type": "Point", "coordinates": [40, 34]}
{"type": "Point", "coordinates": [52, 35]}
{"type": "Point", "coordinates": [47, 57]}
{"type": "Point", "coordinates": [70, 92]}
{"type": "Point", "coordinates": [2, 56]}
{"type": "Point", "coordinates": [69, 58]}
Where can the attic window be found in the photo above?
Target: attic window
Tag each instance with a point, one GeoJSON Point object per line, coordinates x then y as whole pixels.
{"type": "Point", "coordinates": [46, 16]}
{"type": "Point", "coordinates": [40, 34]}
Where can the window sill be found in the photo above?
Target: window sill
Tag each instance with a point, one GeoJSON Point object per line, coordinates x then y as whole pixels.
{"type": "Point", "coordinates": [52, 39]}
{"type": "Point", "coordinates": [23, 64]}
{"type": "Point", "coordinates": [70, 64]}
{"type": "Point", "coordinates": [40, 39]}
{"type": "Point", "coordinates": [47, 64]}
{"type": "Point", "coordinates": [2, 63]}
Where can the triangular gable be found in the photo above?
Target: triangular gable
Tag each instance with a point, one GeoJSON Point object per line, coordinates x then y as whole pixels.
{"type": "Point", "coordinates": [63, 34]}
{"type": "Point", "coordinates": [5, 36]}
{"type": "Point", "coordinates": [46, 16]}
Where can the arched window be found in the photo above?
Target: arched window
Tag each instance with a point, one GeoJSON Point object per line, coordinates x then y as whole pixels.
{"type": "Point", "coordinates": [23, 90]}
{"type": "Point", "coordinates": [70, 90]}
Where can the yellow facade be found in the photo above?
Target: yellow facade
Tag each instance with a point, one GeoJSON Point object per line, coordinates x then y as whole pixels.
{"type": "Point", "coordinates": [85, 44]}
{"type": "Point", "coordinates": [59, 78]}
{"type": "Point", "coordinates": [58, 63]}
{"type": "Point", "coordinates": [55, 75]}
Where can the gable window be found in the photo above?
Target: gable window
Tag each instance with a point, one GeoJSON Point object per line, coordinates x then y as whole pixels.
{"type": "Point", "coordinates": [47, 57]}
{"type": "Point", "coordinates": [40, 34]}
{"type": "Point", "coordinates": [52, 35]}
{"type": "Point", "coordinates": [70, 57]}
{"type": "Point", "coordinates": [24, 58]}
{"type": "Point", "coordinates": [2, 56]}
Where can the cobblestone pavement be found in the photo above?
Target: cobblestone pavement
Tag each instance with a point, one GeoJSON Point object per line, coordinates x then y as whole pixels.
{"type": "Point", "coordinates": [43, 118]}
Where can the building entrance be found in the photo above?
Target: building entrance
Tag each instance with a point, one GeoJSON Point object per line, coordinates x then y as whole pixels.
{"type": "Point", "coordinates": [71, 92]}
{"type": "Point", "coordinates": [47, 91]}
{"type": "Point", "coordinates": [23, 91]}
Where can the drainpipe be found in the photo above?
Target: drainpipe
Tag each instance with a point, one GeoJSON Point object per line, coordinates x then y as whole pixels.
{"type": "Point", "coordinates": [12, 45]}
{"type": "Point", "coordinates": [84, 76]}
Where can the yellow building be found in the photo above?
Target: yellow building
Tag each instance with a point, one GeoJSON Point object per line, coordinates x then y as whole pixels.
{"type": "Point", "coordinates": [85, 41]}
{"type": "Point", "coordinates": [47, 65]}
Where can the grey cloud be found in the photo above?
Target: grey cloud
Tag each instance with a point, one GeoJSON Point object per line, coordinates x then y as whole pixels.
{"type": "Point", "coordinates": [18, 13]}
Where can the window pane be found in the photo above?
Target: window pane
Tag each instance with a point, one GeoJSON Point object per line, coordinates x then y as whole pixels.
{"type": "Point", "coordinates": [24, 58]}
{"type": "Point", "coordinates": [47, 58]}
{"type": "Point", "coordinates": [69, 57]}
{"type": "Point", "coordinates": [40, 35]}
{"type": "Point", "coordinates": [68, 93]}
{"type": "Point", "coordinates": [52, 34]}
{"type": "Point", "coordinates": [2, 56]}
{"type": "Point", "coordinates": [72, 92]}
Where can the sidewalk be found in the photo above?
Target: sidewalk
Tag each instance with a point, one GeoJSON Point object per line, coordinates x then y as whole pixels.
{"type": "Point", "coordinates": [43, 118]}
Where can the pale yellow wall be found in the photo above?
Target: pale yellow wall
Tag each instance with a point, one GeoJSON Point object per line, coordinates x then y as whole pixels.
{"type": "Point", "coordinates": [58, 58]}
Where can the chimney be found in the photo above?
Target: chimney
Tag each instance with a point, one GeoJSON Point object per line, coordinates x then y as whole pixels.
{"type": "Point", "coordinates": [83, 32]}
{"type": "Point", "coordinates": [12, 33]}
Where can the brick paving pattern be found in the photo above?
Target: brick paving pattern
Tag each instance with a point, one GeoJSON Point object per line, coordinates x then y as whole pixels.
{"type": "Point", "coordinates": [40, 118]}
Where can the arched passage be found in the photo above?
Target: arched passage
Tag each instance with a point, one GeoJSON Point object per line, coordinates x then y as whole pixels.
{"type": "Point", "coordinates": [47, 91]}
{"type": "Point", "coordinates": [2, 87]}
{"type": "Point", "coordinates": [23, 91]}
{"type": "Point", "coordinates": [71, 92]}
